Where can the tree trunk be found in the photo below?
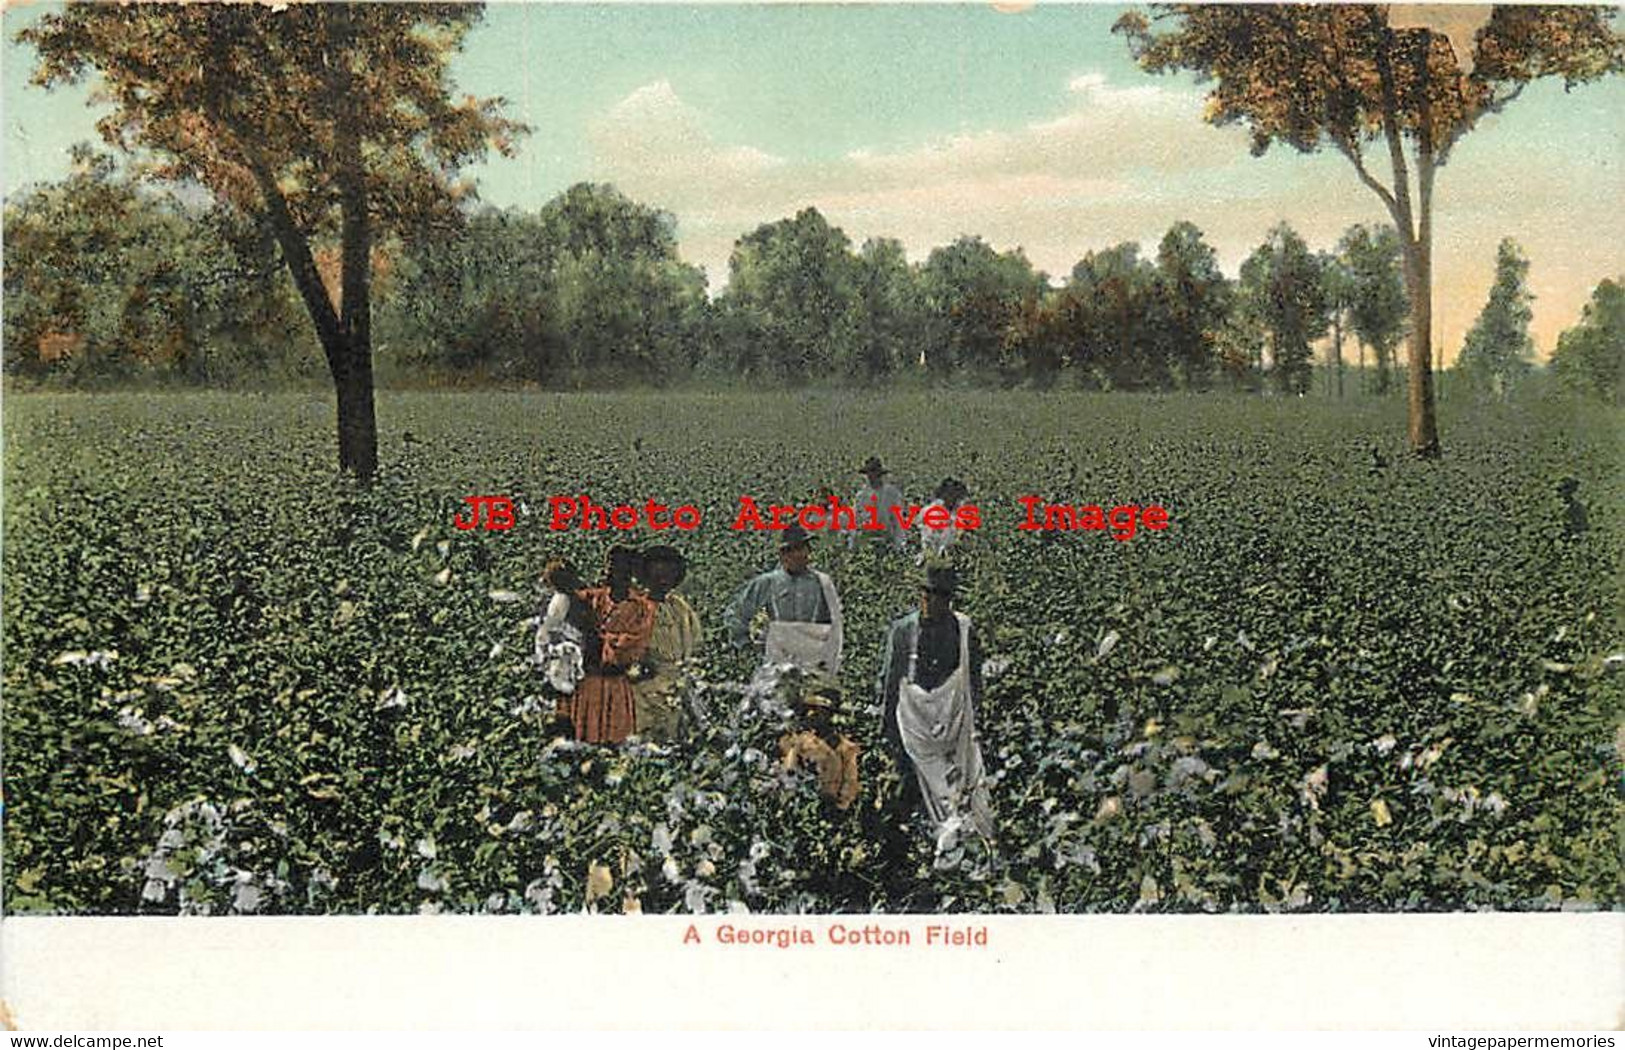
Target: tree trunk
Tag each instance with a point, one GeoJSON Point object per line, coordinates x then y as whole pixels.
{"type": "Point", "coordinates": [1337, 351]}
{"type": "Point", "coordinates": [1423, 429]}
{"type": "Point", "coordinates": [357, 424]}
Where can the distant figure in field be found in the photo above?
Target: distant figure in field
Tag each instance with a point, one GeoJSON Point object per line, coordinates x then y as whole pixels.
{"type": "Point", "coordinates": [934, 543]}
{"type": "Point", "coordinates": [1575, 519]}
{"type": "Point", "coordinates": [803, 610]}
{"type": "Point", "coordinates": [930, 685]}
{"type": "Point", "coordinates": [602, 708]}
{"type": "Point", "coordinates": [881, 494]}
{"type": "Point", "coordinates": [818, 747]}
{"type": "Point", "coordinates": [673, 641]}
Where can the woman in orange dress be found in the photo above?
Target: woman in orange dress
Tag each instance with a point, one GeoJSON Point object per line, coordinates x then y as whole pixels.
{"type": "Point", "coordinates": [601, 708]}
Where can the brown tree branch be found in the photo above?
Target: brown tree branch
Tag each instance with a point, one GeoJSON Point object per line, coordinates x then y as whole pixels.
{"type": "Point", "coordinates": [1390, 125]}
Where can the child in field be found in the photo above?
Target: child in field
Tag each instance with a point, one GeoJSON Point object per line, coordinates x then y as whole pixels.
{"type": "Point", "coordinates": [563, 628]}
{"type": "Point", "coordinates": [819, 748]}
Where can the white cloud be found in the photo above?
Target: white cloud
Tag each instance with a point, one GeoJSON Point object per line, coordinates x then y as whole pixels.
{"type": "Point", "coordinates": [653, 139]}
{"type": "Point", "coordinates": [1030, 185]}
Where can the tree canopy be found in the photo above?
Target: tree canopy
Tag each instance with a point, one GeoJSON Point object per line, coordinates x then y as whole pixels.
{"type": "Point", "coordinates": [1590, 357]}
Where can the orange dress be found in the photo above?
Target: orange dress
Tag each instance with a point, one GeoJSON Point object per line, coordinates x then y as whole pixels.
{"type": "Point", "coordinates": [601, 708]}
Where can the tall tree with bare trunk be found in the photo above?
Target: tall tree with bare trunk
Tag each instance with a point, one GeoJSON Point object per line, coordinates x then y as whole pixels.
{"type": "Point", "coordinates": [319, 120]}
{"type": "Point", "coordinates": [1375, 79]}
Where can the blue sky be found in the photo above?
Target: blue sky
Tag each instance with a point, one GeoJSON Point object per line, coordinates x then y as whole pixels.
{"type": "Point", "coordinates": [923, 122]}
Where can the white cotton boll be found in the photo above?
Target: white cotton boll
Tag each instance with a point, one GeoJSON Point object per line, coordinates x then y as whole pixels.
{"type": "Point", "coordinates": [1107, 644]}
{"type": "Point", "coordinates": [426, 848]}
{"type": "Point", "coordinates": [394, 696]}
{"type": "Point", "coordinates": [240, 759]}
{"type": "Point", "coordinates": [695, 895]}
{"type": "Point", "coordinates": [247, 898]}
{"type": "Point", "coordinates": [503, 597]}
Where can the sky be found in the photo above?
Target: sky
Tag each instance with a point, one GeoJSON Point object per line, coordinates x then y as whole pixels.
{"type": "Point", "coordinates": [1032, 128]}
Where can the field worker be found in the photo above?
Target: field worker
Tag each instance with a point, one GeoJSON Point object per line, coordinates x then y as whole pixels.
{"type": "Point", "coordinates": [564, 624]}
{"type": "Point", "coordinates": [819, 748]}
{"type": "Point", "coordinates": [602, 708]}
{"type": "Point", "coordinates": [803, 610]}
{"type": "Point", "coordinates": [930, 684]}
{"type": "Point", "coordinates": [882, 495]}
{"type": "Point", "coordinates": [672, 643]}
{"type": "Point", "coordinates": [934, 543]}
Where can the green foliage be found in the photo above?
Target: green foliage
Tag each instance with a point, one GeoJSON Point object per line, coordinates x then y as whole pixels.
{"type": "Point", "coordinates": [972, 295]}
{"type": "Point", "coordinates": [790, 309]}
{"type": "Point", "coordinates": [1374, 293]}
{"type": "Point", "coordinates": [1282, 290]}
{"type": "Point", "coordinates": [239, 684]}
{"type": "Point", "coordinates": [1590, 357]}
{"type": "Point", "coordinates": [1194, 299]}
{"type": "Point", "coordinates": [106, 279]}
{"type": "Point", "coordinates": [589, 286]}
{"type": "Point", "coordinates": [1498, 352]}
{"type": "Point", "coordinates": [1112, 295]}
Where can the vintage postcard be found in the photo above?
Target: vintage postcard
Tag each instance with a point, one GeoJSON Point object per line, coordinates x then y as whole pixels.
{"type": "Point", "coordinates": [1073, 496]}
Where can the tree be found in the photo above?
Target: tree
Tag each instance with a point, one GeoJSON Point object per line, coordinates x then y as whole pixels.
{"type": "Point", "coordinates": [621, 303]}
{"type": "Point", "coordinates": [790, 309]}
{"type": "Point", "coordinates": [1111, 293]}
{"type": "Point", "coordinates": [474, 300]}
{"type": "Point", "coordinates": [105, 277]}
{"type": "Point", "coordinates": [317, 119]}
{"type": "Point", "coordinates": [1498, 351]}
{"type": "Point", "coordinates": [1590, 357]}
{"type": "Point", "coordinates": [891, 310]}
{"type": "Point", "coordinates": [1348, 77]}
{"type": "Point", "coordinates": [1193, 300]}
{"type": "Point", "coordinates": [973, 294]}
{"type": "Point", "coordinates": [1374, 294]}
{"type": "Point", "coordinates": [1337, 283]}
{"type": "Point", "coordinates": [1282, 287]}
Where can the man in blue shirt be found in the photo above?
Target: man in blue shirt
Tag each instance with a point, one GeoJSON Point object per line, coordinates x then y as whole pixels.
{"type": "Point", "coordinates": [803, 610]}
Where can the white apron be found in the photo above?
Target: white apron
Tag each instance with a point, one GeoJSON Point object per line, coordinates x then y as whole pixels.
{"type": "Point", "coordinates": [808, 646]}
{"type": "Point", "coordinates": [939, 735]}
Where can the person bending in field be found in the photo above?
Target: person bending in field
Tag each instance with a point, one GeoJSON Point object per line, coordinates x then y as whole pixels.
{"type": "Point", "coordinates": [930, 685]}
{"type": "Point", "coordinates": [882, 495]}
{"type": "Point", "coordinates": [602, 708]}
{"type": "Point", "coordinates": [821, 749]}
{"type": "Point", "coordinates": [673, 641]}
{"type": "Point", "coordinates": [803, 610]}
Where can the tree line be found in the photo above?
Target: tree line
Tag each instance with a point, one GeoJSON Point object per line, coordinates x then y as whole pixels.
{"type": "Point", "coordinates": [108, 280]}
